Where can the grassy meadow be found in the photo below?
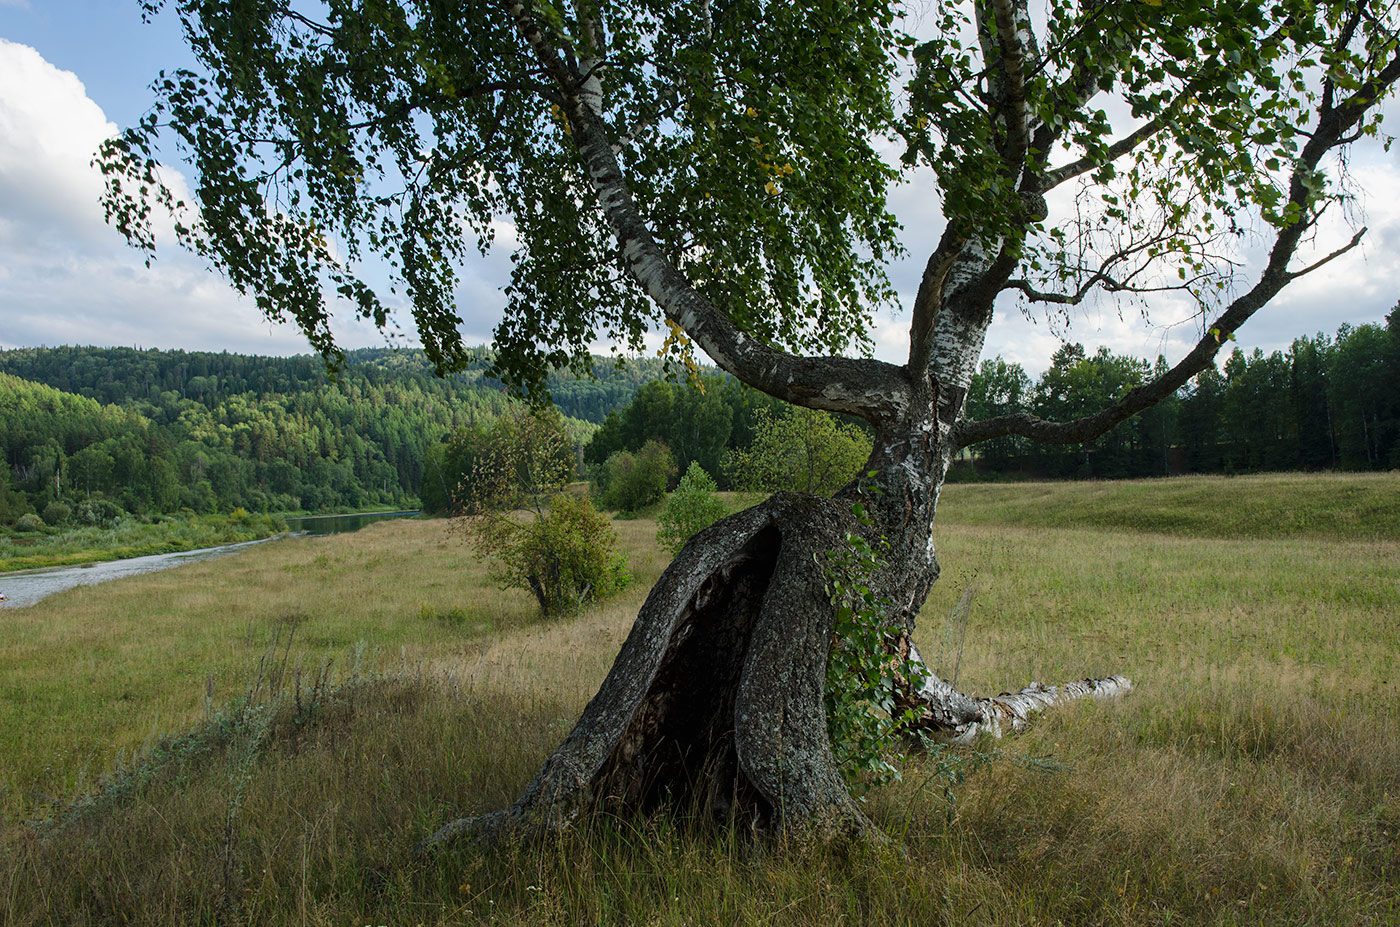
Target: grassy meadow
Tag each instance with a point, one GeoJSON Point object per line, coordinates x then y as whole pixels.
{"type": "Point", "coordinates": [261, 739]}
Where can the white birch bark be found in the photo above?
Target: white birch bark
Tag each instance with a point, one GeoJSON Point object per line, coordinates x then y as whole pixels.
{"type": "Point", "coordinates": [959, 718]}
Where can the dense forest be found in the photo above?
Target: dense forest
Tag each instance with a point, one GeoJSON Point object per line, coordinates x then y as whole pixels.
{"type": "Point", "coordinates": [146, 431]}
{"type": "Point", "coordinates": [157, 431]}
{"type": "Point", "coordinates": [1325, 403]}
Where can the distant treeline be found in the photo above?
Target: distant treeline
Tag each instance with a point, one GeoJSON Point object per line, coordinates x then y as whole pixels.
{"type": "Point", "coordinates": [1325, 403]}
{"type": "Point", "coordinates": [152, 431]}
{"type": "Point", "coordinates": [697, 423]}
{"type": "Point", "coordinates": [157, 431]}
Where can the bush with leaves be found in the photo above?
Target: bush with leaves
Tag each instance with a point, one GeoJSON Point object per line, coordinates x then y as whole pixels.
{"type": "Point", "coordinates": [870, 731]}
{"type": "Point", "coordinates": [97, 513]}
{"type": "Point", "coordinates": [631, 482]}
{"type": "Point", "coordinates": [29, 522]}
{"type": "Point", "coordinates": [693, 506]}
{"type": "Point", "coordinates": [566, 555]}
{"type": "Point", "coordinates": [802, 450]}
{"type": "Point", "coordinates": [862, 718]}
{"type": "Point", "coordinates": [57, 513]}
{"type": "Point", "coordinates": [555, 545]}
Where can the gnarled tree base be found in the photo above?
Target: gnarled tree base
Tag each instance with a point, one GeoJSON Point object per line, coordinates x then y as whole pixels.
{"type": "Point", "coordinates": [715, 700]}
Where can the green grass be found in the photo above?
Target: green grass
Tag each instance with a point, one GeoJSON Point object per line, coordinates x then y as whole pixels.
{"type": "Point", "coordinates": [1351, 506]}
{"type": "Point", "coordinates": [132, 538]}
{"type": "Point", "coordinates": [97, 671]}
{"type": "Point", "coordinates": [1250, 779]}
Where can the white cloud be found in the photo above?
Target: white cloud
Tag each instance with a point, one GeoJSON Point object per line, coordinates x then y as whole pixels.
{"type": "Point", "coordinates": [49, 131]}
{"type": "Point", "coordinates": [66, 277]}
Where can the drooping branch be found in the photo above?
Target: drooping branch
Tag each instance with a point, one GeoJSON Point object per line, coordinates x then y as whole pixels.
{"type": "Point", "coordinates": [863, 387]}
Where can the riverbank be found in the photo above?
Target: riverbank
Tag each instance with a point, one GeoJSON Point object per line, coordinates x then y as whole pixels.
{"type": "Point", "coordinates": [131, 538]}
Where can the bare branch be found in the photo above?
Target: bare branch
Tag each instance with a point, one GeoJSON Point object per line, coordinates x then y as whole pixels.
{"type": "Point", "coordinates": [1109, 285]}
{"type": "Point", "coordinates": [1355, 240]}
{"type": "Point", "coordinates": [313, 25]}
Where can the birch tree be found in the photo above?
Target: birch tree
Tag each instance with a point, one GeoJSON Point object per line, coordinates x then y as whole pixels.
{"type": "Point", "coordinates": [710, 168]}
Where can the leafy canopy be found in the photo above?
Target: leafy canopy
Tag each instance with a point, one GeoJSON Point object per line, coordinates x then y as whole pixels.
{"type": "Point", "coordinates": [414, 130]}
{"type": "Point", "coordinates": [326, 136]}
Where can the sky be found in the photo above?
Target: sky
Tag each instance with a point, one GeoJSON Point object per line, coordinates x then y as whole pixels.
{"type": "Point", "coordinates": [73, 72]}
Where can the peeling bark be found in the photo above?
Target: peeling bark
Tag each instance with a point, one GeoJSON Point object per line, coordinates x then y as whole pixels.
{"type": "Point", "coordinates": [949, 715]}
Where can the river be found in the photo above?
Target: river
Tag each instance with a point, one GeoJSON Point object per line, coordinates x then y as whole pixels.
{"type": "Point", "coordinates": [26, 587]}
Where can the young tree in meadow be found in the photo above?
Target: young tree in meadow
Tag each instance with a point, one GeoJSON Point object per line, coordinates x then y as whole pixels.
{"type": "Point", "coordinates": [693, 507]}
{"type": "Point", "coordinates": [713, 168]}
{"type": "Point", "coordinates": [539, 538]}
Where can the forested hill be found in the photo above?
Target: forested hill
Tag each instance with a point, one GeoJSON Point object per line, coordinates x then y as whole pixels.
{"type": "Point", "coordinates": [123, 376]}
{"type": "Point", "coordinates": [156, 431]}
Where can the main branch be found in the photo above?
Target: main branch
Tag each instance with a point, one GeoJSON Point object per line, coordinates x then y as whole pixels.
{"type": "Point", "coordinates": [863, 387]}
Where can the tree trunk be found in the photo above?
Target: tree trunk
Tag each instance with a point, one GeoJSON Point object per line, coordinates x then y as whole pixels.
{"type": "Point", "coordinates": [715, 701]}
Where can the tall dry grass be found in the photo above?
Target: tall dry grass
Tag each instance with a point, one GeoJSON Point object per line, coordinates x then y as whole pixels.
{"type": "Point", "coordinates": [1250, 779]}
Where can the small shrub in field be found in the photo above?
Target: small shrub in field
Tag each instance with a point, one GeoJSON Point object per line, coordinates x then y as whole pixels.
{"type": "Point", "coordinates": [557, 546]}
{"type": "Point", "coordinates": [456, 616]}
{"type": "Point", "coordinates": [634, 481]}
{"type": "Point", "coordinates": [693, 506]}
{"type": "Point", "coordinates": [97, 513]}
{"type": "Point", "coordinates": [57, 513]}
{"type": "Point", "coordinates": [566, 556]}
{"type": "Point", "coordinates": [29, 522]}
